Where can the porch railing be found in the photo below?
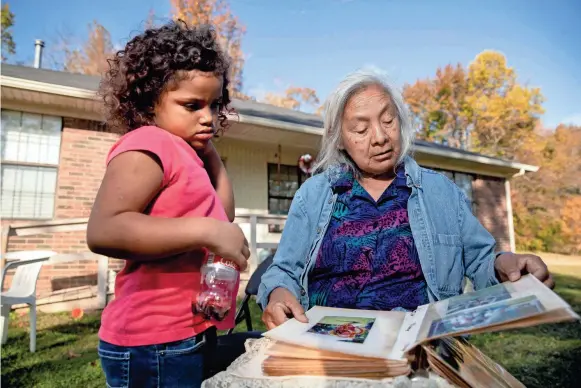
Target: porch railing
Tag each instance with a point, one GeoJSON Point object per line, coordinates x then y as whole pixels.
{"type": "Point", "coordinates": [80, 224]}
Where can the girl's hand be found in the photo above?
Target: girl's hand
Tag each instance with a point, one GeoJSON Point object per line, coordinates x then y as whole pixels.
{"type": "Point", "coordinates": [230, 243]}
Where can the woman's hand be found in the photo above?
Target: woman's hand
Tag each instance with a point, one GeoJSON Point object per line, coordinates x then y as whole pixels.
{"type": "Point", "coordinates": [511, 266]}
{"type": "Point", "coordinates": [282, 305]}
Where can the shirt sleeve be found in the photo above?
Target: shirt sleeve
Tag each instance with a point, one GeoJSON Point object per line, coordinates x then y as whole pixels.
{"type": "Point", "coordinates": [148, 139]}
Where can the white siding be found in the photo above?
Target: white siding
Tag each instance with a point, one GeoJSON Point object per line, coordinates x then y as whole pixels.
{"type": "Point", "coordinates": [246, 163]}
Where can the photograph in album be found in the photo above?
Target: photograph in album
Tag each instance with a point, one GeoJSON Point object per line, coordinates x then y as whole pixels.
{"type": "Point", "coordinates": [344, 329]}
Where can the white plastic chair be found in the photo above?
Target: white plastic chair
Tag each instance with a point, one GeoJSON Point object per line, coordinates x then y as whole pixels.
{"type": "Point", "coordinates": [23, 288]}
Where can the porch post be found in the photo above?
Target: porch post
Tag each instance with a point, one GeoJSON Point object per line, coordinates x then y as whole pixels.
{"type": "Point", "coordinates": [102, 281]}
{"type": "Point", "coordinates": [252, 263]}
{"type": "Point", "coordinates": [4, 247]}
{"type": "Point", "coordinates": [509, 216]}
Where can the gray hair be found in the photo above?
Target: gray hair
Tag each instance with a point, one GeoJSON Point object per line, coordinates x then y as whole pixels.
{"type": "Point", "coordinates": [330, 154]}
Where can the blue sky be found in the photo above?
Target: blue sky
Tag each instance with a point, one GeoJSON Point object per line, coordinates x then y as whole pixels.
{"type": "Point", "coordinates": [315, 43]}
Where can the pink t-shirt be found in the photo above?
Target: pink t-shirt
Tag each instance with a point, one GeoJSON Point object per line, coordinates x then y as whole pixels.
{"type": "Point", "coordinates": [153, 298]}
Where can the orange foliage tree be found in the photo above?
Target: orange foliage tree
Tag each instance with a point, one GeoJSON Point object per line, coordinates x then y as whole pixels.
{"type": "Point", "coordinates": [571, 223]}
{"type": "Point", "coordinates": [504, 114]}
{"type": "Point", "coordinates": [91, 57]}
{"type": "Point", "coordinates": [439, 107]}
{"type": "Point", "coordinates": [294, 98]}
{"type": "Point", "coordinates": [482, 108]}
{"type": "Point", "coordinates": [8, 45]}
{"type": "Point", "coordinates": [546, 211]}
{"type": "Point", "coordinates": [230, 31]}
{"type": "Point", "coordinates": [485, 109]}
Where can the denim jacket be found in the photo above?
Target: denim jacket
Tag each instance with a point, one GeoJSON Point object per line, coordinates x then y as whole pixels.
{"type": "Point", "coordinates": [451, 242]}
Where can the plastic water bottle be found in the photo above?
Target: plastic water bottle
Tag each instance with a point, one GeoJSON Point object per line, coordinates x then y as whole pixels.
{"type": "Point", "coordinates": [218, 280]}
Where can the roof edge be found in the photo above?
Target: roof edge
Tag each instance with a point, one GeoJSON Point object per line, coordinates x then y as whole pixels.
{"type": "Point", "coordinates": [20, 83]}
{"type": "Point", "coordinates": [43, 87]}
{"type": "Point", "coordinates": [520, 167]}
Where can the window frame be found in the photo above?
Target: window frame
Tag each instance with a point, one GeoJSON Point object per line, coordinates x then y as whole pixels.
{"type": "Point", "coordinates": [16, 164]}
{"type": "Point", "coordinates": [301, 177]}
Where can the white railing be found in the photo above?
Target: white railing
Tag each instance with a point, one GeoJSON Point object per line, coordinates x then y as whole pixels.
{"type": "Point", "coordinates": [254, 220]}
{"type": "Point", "coordinates": [80, 224]}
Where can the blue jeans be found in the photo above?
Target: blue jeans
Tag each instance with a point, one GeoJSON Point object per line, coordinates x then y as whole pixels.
{"type": "Point", "coordinates": [170, 365]}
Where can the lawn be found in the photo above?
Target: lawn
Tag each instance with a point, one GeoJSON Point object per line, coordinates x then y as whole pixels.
{"type": "Point", "coordinates": [544, 356]}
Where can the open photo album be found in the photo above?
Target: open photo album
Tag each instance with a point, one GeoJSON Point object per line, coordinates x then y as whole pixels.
{"type": "Point", "coordinates": [383, 343]}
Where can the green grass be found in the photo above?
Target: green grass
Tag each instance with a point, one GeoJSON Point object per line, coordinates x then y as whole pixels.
{"type": "Point", "coordinates": [65, 355]}
{"type": "Point", "coordinates": [66, 351]}
{"type": "Point", "coordinates": [543, 356]}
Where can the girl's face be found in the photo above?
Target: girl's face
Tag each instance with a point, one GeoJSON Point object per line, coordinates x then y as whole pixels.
{"type": "Point", "coordinates": [190, 109]}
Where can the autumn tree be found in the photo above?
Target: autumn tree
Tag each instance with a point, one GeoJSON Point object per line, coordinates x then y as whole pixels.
{"type": "Point", "coordinates": [438, 106]}
{"type": "Point", "coordinates": [230, 32]}
{"type": "Point", "coordinates": [229, 29]}
{"type": "Point", "coordinates": [91, 57]}
{"type": "Point", "coordinates": [503, 112]}
{"type": "Point", "coordinates": [7, 21]}
{"type": "Point", "coordinates": [545, 202]}
{"type": "Point", "coordinates": [482, 108]}
{"type": "Point", "coordinates": [485, 109]}
{"type": "Point", "coordinates": [571, 223]}
{"type": "Point", "coordinates": [294, 98]}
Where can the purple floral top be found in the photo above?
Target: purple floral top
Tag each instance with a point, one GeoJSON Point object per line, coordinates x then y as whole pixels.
{"type": "Point", "coordinates": [368, 259]}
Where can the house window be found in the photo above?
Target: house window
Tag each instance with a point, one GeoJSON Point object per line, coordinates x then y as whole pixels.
{"type": "Point", "coordinates": [283, 183]}
{"type": "Point", "coordinates": [29, 156]}
{"type": "Point", "coordinates": [89, 125]}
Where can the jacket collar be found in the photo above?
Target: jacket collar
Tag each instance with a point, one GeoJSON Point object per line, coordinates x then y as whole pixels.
{"type": "Point", "coordinates": [413, 173]}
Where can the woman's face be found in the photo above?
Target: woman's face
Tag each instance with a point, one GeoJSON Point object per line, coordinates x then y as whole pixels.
{"type": "Point", "coordinates": [370, 131]}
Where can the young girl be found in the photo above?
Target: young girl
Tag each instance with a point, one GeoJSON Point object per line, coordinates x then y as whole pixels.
{"type": "Point", "coordinates": [164, 203]}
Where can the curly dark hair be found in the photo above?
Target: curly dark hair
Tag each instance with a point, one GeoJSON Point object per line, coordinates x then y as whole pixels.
{"type": "Point", "coordinates": [153, 62]}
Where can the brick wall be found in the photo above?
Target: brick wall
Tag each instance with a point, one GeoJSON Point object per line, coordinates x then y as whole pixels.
{"type": "Point", "coordinates": [490, 208]}
{"type": "Point", "coordinates": [82, 165]}
{"type": "Point", "coordinates": [81, 168]}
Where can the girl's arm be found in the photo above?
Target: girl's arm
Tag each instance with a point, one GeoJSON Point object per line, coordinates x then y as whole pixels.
{"type": "Point", "coordinates": [118, 228]}
{"type": "Point", "coordinates": [219, 177]}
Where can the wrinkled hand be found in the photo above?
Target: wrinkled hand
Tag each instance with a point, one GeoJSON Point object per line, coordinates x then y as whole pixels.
{"type": "Point", "coordinates": [511, 266]}
{"type": "Point", "coordinates": [282, 305]}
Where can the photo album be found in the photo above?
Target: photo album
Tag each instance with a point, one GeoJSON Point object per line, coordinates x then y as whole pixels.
{"type": "Point", "coordinates": [377, 344]}
{"type": "Point", "coordinates": [462, 364]}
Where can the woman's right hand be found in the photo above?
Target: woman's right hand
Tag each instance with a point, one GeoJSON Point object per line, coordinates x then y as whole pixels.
{"type": "Point", "coordinates": [282, 305]}
{"type": "Point", "coordinates": [230, 243]}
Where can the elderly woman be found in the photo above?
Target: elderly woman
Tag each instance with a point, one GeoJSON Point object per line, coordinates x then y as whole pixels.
{"type": "Point", "coordinates": [373, 230]}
